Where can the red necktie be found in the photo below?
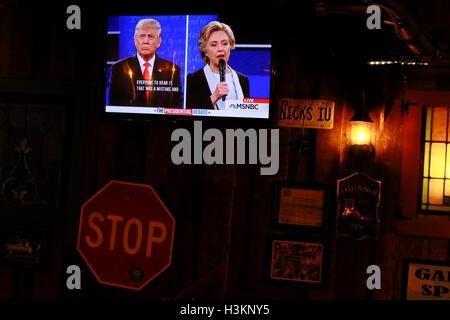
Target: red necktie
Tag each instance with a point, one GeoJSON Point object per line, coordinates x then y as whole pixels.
{"type": "Point", "coordinates": [146, 77]}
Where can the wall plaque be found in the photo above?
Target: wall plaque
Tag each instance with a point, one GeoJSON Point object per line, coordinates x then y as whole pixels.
{"type": "Point", "coordinates": [358, 197]}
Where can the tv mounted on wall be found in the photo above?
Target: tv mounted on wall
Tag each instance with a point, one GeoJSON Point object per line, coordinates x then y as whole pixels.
{"type": "Point", "coordinates": [179, 82]}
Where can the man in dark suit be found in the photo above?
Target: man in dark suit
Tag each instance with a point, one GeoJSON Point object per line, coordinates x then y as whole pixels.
{"type": "Point", "coordinates": [146, 79]}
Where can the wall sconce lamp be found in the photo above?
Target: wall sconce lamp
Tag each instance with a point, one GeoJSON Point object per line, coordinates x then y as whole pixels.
{"type": "Point", "coordinates": [361, 134]}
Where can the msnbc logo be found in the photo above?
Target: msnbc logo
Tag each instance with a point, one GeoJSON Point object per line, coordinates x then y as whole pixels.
{"type": "Point", "coordinates": [232, 106]}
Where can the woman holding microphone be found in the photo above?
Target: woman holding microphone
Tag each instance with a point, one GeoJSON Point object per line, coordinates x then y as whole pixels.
{"type": "Point", "coordinates": [211, 86]}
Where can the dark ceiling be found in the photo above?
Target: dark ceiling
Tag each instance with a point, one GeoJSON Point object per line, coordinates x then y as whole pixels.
{"type": "Point", "coordinates": [410, 29]}
{"type": "Point", "coordinates": [331, 30]}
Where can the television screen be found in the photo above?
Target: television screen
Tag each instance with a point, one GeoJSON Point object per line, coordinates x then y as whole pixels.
{"type": "Point", "coordinates": [185, 65]}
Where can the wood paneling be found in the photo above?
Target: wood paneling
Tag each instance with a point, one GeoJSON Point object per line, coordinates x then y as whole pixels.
{"type": "Point", "coordinates": [410, 162]}
{"type": "Point", "coordinates": [222, 212]}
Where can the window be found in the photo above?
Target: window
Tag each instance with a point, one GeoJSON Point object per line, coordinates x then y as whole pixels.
{"type": "Point", "coordinates": [435, 172]}
{"type": "Point", "coordinates": [425, 166]}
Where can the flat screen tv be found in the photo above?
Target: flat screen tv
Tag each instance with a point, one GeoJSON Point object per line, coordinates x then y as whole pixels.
{"type": "Point", "coordinates": [177, 81]}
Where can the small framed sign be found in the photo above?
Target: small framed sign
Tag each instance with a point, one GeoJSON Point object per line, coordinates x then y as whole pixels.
{"type": "Point", "coordinates": [426, 280]}
{"type": "Point", "coordinates": [301, 205]}
{"type": "Point", "coordinates": [358, 197]}
{"type": "Point", "coordinates": [296, 260]}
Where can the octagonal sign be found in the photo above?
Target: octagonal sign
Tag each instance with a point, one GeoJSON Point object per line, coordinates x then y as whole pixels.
{"type": "Point", "coordinates": [126, 235]}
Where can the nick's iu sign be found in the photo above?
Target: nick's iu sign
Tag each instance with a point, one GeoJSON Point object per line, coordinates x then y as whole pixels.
{"type": "Point", "coordinates": [304, 113]}
{"type": "Point", "coordinates": [358, 197]}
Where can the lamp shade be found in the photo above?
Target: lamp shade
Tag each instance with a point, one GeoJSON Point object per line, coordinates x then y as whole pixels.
{"type": "Point", "coordinates": [361, 115]}
{"type": "Point", "coordinates": [361, 124]}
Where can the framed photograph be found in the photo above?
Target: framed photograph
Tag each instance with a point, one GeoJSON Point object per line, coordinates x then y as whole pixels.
{"type": "Point", "coordinates": [425, 280]}
{"type": "Point", "coordinates": [303, 206]}
{"type": "Point", "coordinates": [296, 261]}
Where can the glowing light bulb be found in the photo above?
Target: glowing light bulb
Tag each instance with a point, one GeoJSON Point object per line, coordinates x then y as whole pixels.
{"type": "Point", "coordinates": [360, 133]}
{"type": "Point", "coordinates": [361, 137]}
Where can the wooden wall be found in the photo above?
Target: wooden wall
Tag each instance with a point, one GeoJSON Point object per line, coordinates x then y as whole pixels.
{"type": "Point", "coordinates": [223, 212]}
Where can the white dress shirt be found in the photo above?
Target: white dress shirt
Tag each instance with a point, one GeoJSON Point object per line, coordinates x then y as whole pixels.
{"type": "Point", "coordinates": [232, 80]}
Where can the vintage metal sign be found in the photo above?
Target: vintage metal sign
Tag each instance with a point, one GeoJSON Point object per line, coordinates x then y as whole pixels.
{"type": "Point", "coordinates": [358, 197]}
{"type": "Point", "coordinates": [426, 280]}
{"type": "Point", "coordinates": [305, 113]}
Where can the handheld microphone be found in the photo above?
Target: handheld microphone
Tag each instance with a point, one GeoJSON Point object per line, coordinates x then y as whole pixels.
{"type": "Point", "coordinates": [222, 68]}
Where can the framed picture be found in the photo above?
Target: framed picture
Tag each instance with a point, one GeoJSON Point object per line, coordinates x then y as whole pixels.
{"type": "Point", "coordinates": [304, 206]}
{"type": "Point", "coordinates": [32, 152]}
{"type": "Point", "coordinates": [23, 245]}
{"type": "Point", "coordinates": [425, 280]}
{"type": "Point", "coordinates": [296, 260]}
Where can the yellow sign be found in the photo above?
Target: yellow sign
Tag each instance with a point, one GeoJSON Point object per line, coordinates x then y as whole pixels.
{"type": "Point", "coordinates": [304, 113]}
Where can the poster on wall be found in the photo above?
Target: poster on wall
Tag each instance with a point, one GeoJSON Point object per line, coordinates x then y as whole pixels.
{"type": "Point", "coordinates": [358, 197]}
{"type": "Point", "coordinates": [296, 261]}
{"type": "Point", "coordinates": [426, 280]}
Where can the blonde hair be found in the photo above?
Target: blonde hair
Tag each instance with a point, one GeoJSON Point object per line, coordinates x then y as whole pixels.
{"type": "Point", "coordinates": [206, 33]}
{"type": "Point", "coordinates": [148, 23]}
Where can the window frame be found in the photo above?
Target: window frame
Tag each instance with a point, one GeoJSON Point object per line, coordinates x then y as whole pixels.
{"type": "Point", "coordinates": [411, 221]}
{"type": "Point", "coordinates": [421, 176]}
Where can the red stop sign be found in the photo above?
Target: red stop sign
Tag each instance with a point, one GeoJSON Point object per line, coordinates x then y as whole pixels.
{"type": "Point", "coordinates": [126, 235]}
